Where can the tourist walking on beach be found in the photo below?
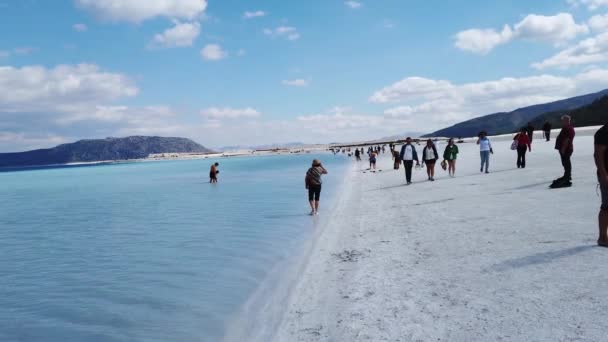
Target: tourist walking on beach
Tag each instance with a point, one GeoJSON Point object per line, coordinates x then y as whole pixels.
{"type": "Point", "coordinates": [408, 155]}
{"type": "Point", "coordinates": [564, 144]}
{"type": "Point", "coordinates": [429, 157]}
{"type": "Point", "coordinates": [530, 131]}
{"type": "Point", "coordinates": [523, 146]}
{"type": "Point", "coordinates": [213, 173]}
{"type": "Point", "coordinates": [547, 130]}
{"type": "Point", "coordinates": [485, 148]}
{"type": "Point", "coordinates": [313, 184]}
{"type": "Point", "coordinates": [372, 161]}
{"type": "Point", "coordinates": [396, 160]}
{"type": "Point", "coordinates": [450, 155]}
{"type": "Point", "coordinates": [601, 161]}
{"type": "Point", "coordinates": [357, 155]}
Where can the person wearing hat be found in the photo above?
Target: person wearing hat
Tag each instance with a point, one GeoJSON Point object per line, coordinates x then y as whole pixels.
{"type": "Point", "coordinates": [313, 185]}
{"type": "Point", "coordinates": [408, 155]}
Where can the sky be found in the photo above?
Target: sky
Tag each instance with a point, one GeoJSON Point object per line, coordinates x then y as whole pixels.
{"type": "Point", "coordinates": [251, 72]}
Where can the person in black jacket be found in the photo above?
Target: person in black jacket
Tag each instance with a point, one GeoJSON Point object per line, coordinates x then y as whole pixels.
{"type": "Point", "coordinates": [429, 157]}
{"type": "Point", "coordinates": [530, 131]}
{"type": "Point", "coordinates": [547, 130]}
{"type": "Point", "coordinates": [408, 155]}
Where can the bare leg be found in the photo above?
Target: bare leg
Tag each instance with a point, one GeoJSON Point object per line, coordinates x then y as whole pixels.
{"type": "Point", "coordinates": [312, 205]}
{"type": "Point", "coordinates": [603, 225]}
{"type": "Point", "coordinates": [432, 171]}
{"type": "Point", "coordinates": [316, 205]}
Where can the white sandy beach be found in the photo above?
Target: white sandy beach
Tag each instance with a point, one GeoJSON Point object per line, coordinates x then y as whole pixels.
{"type": "Point", "coordinates": [497, 257]}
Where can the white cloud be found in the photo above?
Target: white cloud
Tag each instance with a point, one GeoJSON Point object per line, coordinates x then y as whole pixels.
{"type": "Point", "coordinates": [590, 4]}
{"type": "Point", "coordinates": [213, 52]}
{"type": "Point", "coordinates": [353, 4]}
{"type": "Point", "coordinates": [482, 41]}
{"type": "Point", "coordinates": [429, 102]}
{"type": "Point", "coordinates": [180, 35]}
{"type": "Point", "coordinates": [4, 54]}
{"type": "Point", "coordinates": [287, 32]}
{"type": "Point", "coordinates": [296, 83]}
{"type": "Point", "coordinates": [80, 27]}
{"type": "Point", "coordinates": [598, 23]}
{"type": "Point", "coordinates": [254, 14]}
{"type": "Point", "coordinates": [588, 51]}
{"type": "Point", "coordinates": [556, 29]}
{"type": "Point", "coordinates": [139, 10]}
{"type": "Point", "coordinates": [62, 88]}
{"type": "Point", "coordinates": [215, 113]}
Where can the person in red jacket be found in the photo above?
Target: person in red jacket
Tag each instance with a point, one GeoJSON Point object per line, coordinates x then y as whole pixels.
{"type": "Point", "coordinates": [564, 144]}
{"type": "Point", "coordinates": [523, 145]}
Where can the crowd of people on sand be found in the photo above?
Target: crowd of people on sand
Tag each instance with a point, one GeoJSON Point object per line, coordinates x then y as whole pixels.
{"type": "Point", "coordinates": [522, 144]}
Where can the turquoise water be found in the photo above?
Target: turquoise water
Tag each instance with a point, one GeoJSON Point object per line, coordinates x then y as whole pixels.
{"type": "Point", "coordinates": [146, 251]}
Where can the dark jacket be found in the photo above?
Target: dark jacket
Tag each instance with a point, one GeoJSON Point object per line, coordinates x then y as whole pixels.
{"type": "Point", "coordinates": [451, 152]}
{"type": "Point", "coordinates": [435, 154]}
{"type": "Point", "coordinates": [414, 153]}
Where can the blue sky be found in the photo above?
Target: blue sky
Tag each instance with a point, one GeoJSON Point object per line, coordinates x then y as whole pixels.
{"type": "Point", "coordinates": [254, 72]}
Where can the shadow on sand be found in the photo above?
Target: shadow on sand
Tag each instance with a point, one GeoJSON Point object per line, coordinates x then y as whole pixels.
{"type": "Point", "coordinates": [540, 258]}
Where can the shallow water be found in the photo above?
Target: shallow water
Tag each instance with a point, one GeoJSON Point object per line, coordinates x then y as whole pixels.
{"type": "Point", "coordinates": [146, 251]}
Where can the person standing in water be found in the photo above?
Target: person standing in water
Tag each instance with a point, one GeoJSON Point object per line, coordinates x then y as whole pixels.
{"type": "Point", "coordinates": [601, 162]}
{"type": "Point", "coordinates": [408, 155]}
{"type": "Point", "coordinates": [450, 155]}
{"type": "Point", "coordinates": [429, 157]}
{"type": "Point", "coordinates": [213, 173]}
{"type": "Point", "coordinates": [485, 149]}
{"type": "Point", "coordinates": [523, 145]}
{"type": "Point", "coordinates": [313, 185]}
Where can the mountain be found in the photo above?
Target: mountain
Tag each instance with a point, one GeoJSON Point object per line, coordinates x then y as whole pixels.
{"type": "Point", "coordinates": [594, 114]}
{"type": "Point", "coordinates": [502, 123]}
{"type": "Point", "coordinates": [135, 147]}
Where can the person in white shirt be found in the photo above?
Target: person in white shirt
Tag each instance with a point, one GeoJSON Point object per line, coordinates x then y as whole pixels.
{"type": "Point", "coordinates": [429, 157]}
{"type": "Point", "coordinates": [408, 155]}
{"type": "Point", "coordinates": [485, 149]}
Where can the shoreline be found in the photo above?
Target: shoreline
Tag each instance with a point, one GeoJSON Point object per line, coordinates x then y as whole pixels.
{"type": "Point", "coordinates": [268, 304]}
{"type": "Point", "coordinates": [448, 260]}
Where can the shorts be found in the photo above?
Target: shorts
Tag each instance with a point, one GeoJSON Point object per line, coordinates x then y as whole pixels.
{"type": "Point", "coordinates": [314, 192]}
{"type": "Point", "coordinates": [430, 163]}
{"type": "Point", "coordinates": [604, 192]}
{"type": "Point", "coordinates": [212, 175]}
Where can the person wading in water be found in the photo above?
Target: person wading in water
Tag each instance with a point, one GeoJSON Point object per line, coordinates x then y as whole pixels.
{"type": "Point", "coordinates": [213, 173]}
{"type": "Point", "coordinates": [313, 184]}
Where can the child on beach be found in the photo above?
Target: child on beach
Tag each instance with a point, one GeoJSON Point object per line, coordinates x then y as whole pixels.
{"type": "Point", "coordinates": [313, 185]}
{"type": "Point", "coordinates": [450, 154]}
